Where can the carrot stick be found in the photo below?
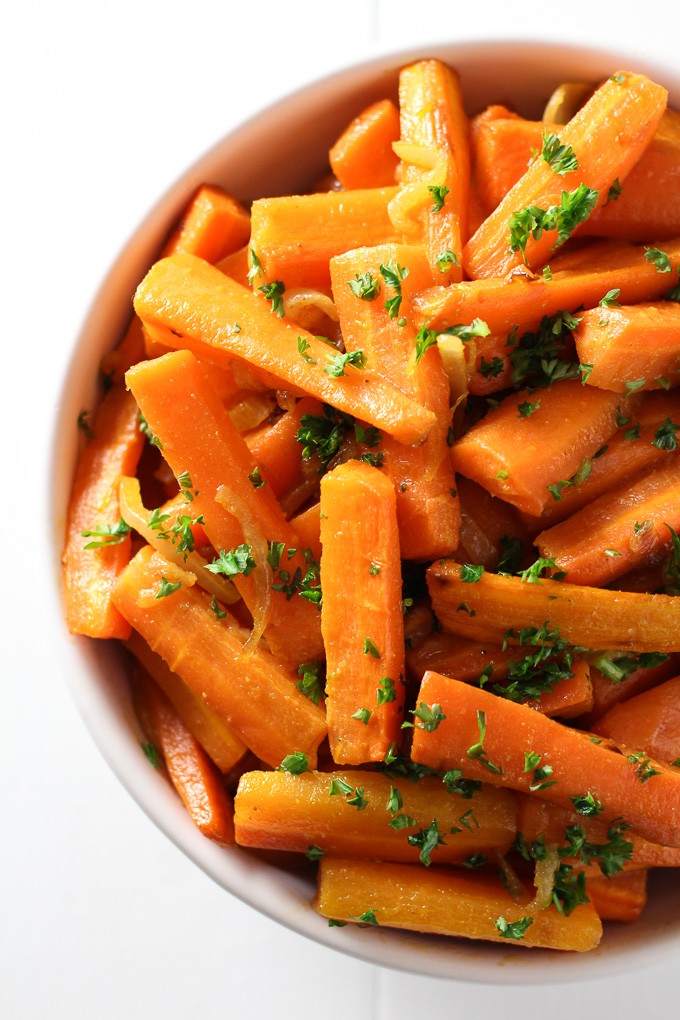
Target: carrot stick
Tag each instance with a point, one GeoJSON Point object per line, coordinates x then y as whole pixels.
{"type": "Point", "coordinates": [579, 279]}
{"type": "Point", "coordinates": [444, 901]}
{"type": "Point", "coordinates": [294, 237]}
{"type": "Point", "coordinates": [307, 526]}
{"type": "Point", "coordinates": [487, 525]}
{"type": "Point", "coordinates": [635, 345]}
{"type": "Point", "coordinates": [620, 898]}
{"type": "Point", "coordinates": [361, 571]}
{"type": "Point", "coordinates": [433, 119]}
{"type": "Point", "coordinates": [213, 226]}
{"type": "Point", "coordinates": [216, 738]}
{"type": "Point", "coordinates": [534, 440]}
{"type": "Point", "coordinates": [277, 811]}
{"type": "Point", "coordinates": [607, 137]}
{"type": "Point", "coordinates": [89, 575]}
{"type": "Point", "coordinates": [488, 737]}
{"type": "Point", "coordinates": [219, 319]}
{"type": "Point", "coordinates": [277, 451]}
{"type": "Point", "coordinates": [130, 350]}
{"type": "Point", "coordinates": [362, 157]}
{"type": "Point", "coordinates": [607, 693]}
{"type": "Point", "coordinates": [592, 617]}
{"type": "Point", "coordinates": [624, 528]}
{"type": "Point", "coordinates": [200, 443]}
{"type": "Point", "coordinates": [650, 722]}
{"type": "Point", "coordinates": [192, 773]}
{"type": "Point", "coordinates": [248, 690]}
{"type": "Point", "coordinates": [427, 508]}
{"type": "Point", "coordinates": [236, 265]}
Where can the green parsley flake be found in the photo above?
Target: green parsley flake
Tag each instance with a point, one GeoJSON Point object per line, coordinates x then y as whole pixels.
{"type": "Point", "coordinates": [370, 649]}
{"type": "Point", "coordinates": [365, 286]}
{"type": "Point", "coordinates": [338, 364]}
{"type": "Point", "coordinates": [236, 561]}
{"type": "Point", "coordinates": [430, 717]}
{"type": "Point", "coordinates": [513, 929]}
{"type": "Point", "coordinates": [660, 259]}
{"type": "Point", "coordinates": [303, 346]}
{"type": "Point", "coordinates": [560, 158]}
{"type": "Point", "coordinates": [167, 588]}
{"type": "Point", "coordinates": [445, 259]}
{"type": "Point", "coordinates": [470, 573]}
{"type": "Point", "coordinates": [295, 764]}
{"type": "Point", "coordinates": [106, 534]}
{"type": "Point", "coordinates": [439, 193]}
{"type": "Point", "coordinates": [274, 292]}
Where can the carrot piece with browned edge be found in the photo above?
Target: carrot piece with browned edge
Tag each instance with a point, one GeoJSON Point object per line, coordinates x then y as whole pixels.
{"type": "Point", "coordinates": [607, 137]}
{"type": "Point", "coordinates": [631, 346]}
{"type": "Point", "coordinates": [648, 722]}
{"type": "Point", "coordinates": [619, 898]}
{"type": "Point", "coordinates": [361, 573]}
{"type": "Point", "coordinates": [488, 737]}
{"type": "Point", "coordinates": [191, 771]}
{"type": "Point", "coordinates": [277, 451]}
{"type": "Point", "coordinates": [362, 157]}
{"type": "Point", "coordinates": [445, 901]}
{"type": "Point", "coordinates": [112, 449]}
{"type": "Point", "coordinates": [196, 307]}
{"type": "Point", "coordinates": [213, 226]}
{"type": "Point", "coordinates": [248, 689]}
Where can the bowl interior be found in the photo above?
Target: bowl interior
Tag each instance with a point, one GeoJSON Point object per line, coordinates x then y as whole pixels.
{"type": "Point", "coordinates": [282, 150]}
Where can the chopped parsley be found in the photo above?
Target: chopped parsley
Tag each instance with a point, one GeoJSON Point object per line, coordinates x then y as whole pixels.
{"type": "Point", "coordinates": [464, 332]}
{"type": "Point", "coordinates": [560, 158]}
{"type": "Point", "coordinates": [303, 346]}
{"type": "Point", "coordinates": [445, 259]}
{"type": "Point", "coordinates": [338, 364]}
{"type": "Point", "coordinates": [659, 259]}
{"type": "Point", "coordinates": [167, 588]}
{"type": "Point", "coordinates": [145, 430]}
{"type": "Point", "coordinates": [575, 207]}
{"type": "Point", "coordinates": [470, 573]}
{"type": "Point", "coordinates": [322, 435]}
{"type": "Point", "coordinates": [236, 561]}
{"type": "Point", "coordinates": [256, 479]}
{"type": "Point", "coordinates": [151, 752]}
{"type": "Point", "coordinates": [365, 286]}
{"type": "Point", "coordinates": [84, 425]}
{"type": "Point", "coordinates": [424, 339]}
{"type": "Point", "coordinates": [477, 753]}
{"type": "Point", "coordinates": [370, 649]}
{"type": "Point", "coordinates": [665, 437]}
{"type": "Point", "coordinates": [106, 534]}
{"type": "Point", "coordinates": [309, 683]}
{"type": "Point", "coordinates": [274, 292]}
{"type": "Point", "coordinates": [255, 266]}
{"type": "Point", "coordinates": [386, 691]}
{"type": "Point", "coordinates": [295, 764]}
{"type": "Point", "coordinates": [527, 408]}
{"type": "Point", "coordinates": [427, 840]}
{"type": "Point", "coordinates": [393, 274]}
{"type": "Point", "coordinates": [513, 929]}
{"type": "Point", "coordinates": [439, 193]}
{"type": "Point", "coordinates": [354, 796]}
{"type": "Point", "coordinates": [587, 804]}
{"type": "Point", "coordinates": [430, 717]}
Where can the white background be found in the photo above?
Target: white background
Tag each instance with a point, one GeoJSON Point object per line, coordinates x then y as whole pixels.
{"type": "Point", "coordinates": [103, 105]}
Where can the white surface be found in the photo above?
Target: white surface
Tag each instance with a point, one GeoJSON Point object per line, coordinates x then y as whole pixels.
{"type": "Point", "coordinates": [103, 106]}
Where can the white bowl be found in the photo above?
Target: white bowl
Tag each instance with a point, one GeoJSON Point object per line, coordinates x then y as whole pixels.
{"type": "Point", "coordinates": [282, 150]}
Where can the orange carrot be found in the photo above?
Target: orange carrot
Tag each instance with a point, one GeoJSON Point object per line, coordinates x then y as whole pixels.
{"type": "Point", "coordinates": [608, 692]}
{"type": "Point", "coordinates": [307, 526]}
{"type": "Point", "coordinates": [362, 157]}
{"type": "Point", "coordinates": [213, 226]}
{"type": "Point", "coordinates": [115, 363]}
{"type": "Point", "coordinates": [489, 527]}
{"type": "Point", "coordinates": [434, 126]}
{"type": "Point", "coordinates": [607, 137]}
{"type": "Point", "coordinates": [294, 237]}
{"type": "Point", "coordinates": [201, 444]}
{"type": "Point", "coordinates": [192, 773]}
{"type": "Point", "coordinates": [592, 617]}
{"type": "Point", "coordinates": [112, 449]}
{"type": "Point", "coordinates": [537, 439]}
{"type": "Point", "coordinates": [361, 571]}
{"type": "Point", "coordinates": [197, 307]}
{"type": "Point", "coordinates": [624, 528]}
{"type": "Point", "coordinates": [236, 265]}
{"type": "Point", "coordinates": [277, 451]}
{"type": "Point", "coordinates": [620, 898]}
{"type": "Point", "coordinates": [249, 690]}
{"type": "Point", "coordinates": [216, 738]}
{"type": "Point", "coordinates": [277, 811]}
{"type": "Point", "coordinates": [488, 737]}
{"type": "Point", "coordinates": [648, 722]}
{"type": "Point", "coordinates": [445, 901]}
{"type": "Point", "coordinates": [635, 346]}
{"type": "Point", "coordinates": [427, 507]}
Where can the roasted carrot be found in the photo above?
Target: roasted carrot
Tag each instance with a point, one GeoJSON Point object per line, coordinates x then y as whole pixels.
{"type": "Point", "coordinates": [277, 811]}
{"type": "Point", "coordinates": [201, 444]}
{"type": "Point", "coordinates": [635, 346]}
{"type": "Point", "coordinates": [277, 451]}
{"type": "Point", "coordinates": [624, 684]}
{"type": "Point", "coordinates": [361, 571]}
{"type": "Point", "coordinates": [620, 898]}
{"type": "Point", "coordinates": [592, 617]}
{"type": "Point", "coordinates": [490, 528]}
{"type": "Point", "coordinates": [446, 901]}
{"type": "Point", "coordinates": [535, 440]}
{"type": "Point", "coordinates": [112, 448]}
{"type": "Point", "coordinates": [648, 722]}
{"type": "Point", "coordinates": [363, 157]}
{"type": "Point", "coordinates": [622, 529]}
{"type": "Point", "coordinates": [294, 237]}
{"type": "Point", "coordinates": [498, 740]}
{"type": "Point", "coordinates": [606, 138]}
{"type": "Point", "coordinates": [249, 690]}
{"type": "Point", "coordinates": [197, 307]}
{"type": "Point", "coordinates": [214, 225]}
{"type": "Point", "coordinates": [191, 771]}
{"type": "Point", "coordinates": [427, 506]}
{"type": "Point", "coordinates": [436, 162]}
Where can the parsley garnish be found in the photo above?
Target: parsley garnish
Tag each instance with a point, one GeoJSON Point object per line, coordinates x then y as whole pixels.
{"type": "Point", "coordinates": [439, 193]}
{"type": "Point", "coordinates": [587, 804]}
{"type": "Point", "coordinates": [477, 328]}
{"type": "Point", "coordinates": [274, 292]}
{"type": "Point", "coordinates": [151, 752]}
{"type": "Point", "coordinates": [454, 782]}
{"type": "Point", "coordinates": [309, 683]}
{"type": "Point", "coordinates": [295, 764]}
{"type": "Point", "coordinates": [393, 274]}
{"type": "Point", "coordinates": [427, 840]}
{"type": "Point", "coordinates": [445, 259]}
{"type": "Point", "coordinates": [532, 575]}
{"type": "Point", "coordinates": [144, 428]}
{"type": "Point", "coordinates": [106, 534]}
{"type": "Point", "coordinates": [365, 286]}
{"type": "Point", "coordinates": [660, 259]}
{"type": "Point", "coordinates": [611, 298]}
{"type": "Point", "coordinates": [386, 691]}
{"type": "Point", "coordinates": [256, 479]}
{"type": "Point", "coordinates": [255, 266]}
{"type": "Point", "coordinates": [430, 717]}
{"type": "Point", "coordinates": [575, 207]}
{"type": "Point", "coordinates": [236, 561]}
{"type": "Point", "coordinates": [323, 434]}
{"type": "Point", "coordinates": [644, 769]}
{"type": "Point", "coordinates": [362, 715]}
{"type": "Point", "coordinates": [370, 649]}
{"type": "Point", "coordinates": [314, 852]}
{"type": "Point", "coordinates": [671, 574]}
{"type": "Point", "coordinates": [490, 369]}
{"type": "Point", "coordinates": [186, 486]}
{"type": "Point", "coordinates": [339, 363]}
{"type": "Point", "coordinates": [303, 346]}
{"type": "Point", "coordinates": [424, 339]}
{"type": "Point", "coordinates": [470, 573]}
{"type": "Point", "coordinates": [560, 158]}
{"type": "Point", "coordinates": [353, 796]}
{"type": "Point", "coordinates": [527, 408]}
{"type": "Point", "coordinates": [219, 613]}
{"type": "Point", "coordinates": [538, 358]}
{"type": "Point", "coordinates": [167, 588]}
{"type": "Point", "coordinates": [513, 929]}
{"type": "Point", "coordinates": [477, 753]}
{"type": "Point", "coordinates": [84, 425]}
{"type": "Point", "coordinates": [614, 191]}
{"type": "Point", "coordinates": [665, 437]}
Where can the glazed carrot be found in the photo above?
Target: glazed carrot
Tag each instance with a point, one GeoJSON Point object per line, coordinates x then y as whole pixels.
{"type": "Point", "coordinates": [248, 690]}
{"type": "Point", "coordinates": [620, 530]}
{"type": "Point", "coordinates": [434, 126]}
{"type": "Point", "coordinates": [592, 617]}
{"type": "Point", "coordinates": [635, 345]}
{"type": "Point", "coordinates": [487, 737]}
{"type": "Point", "coordinates": [307, 526]}
{"type": "Point", "coordinates": [444, 901]}
{"type": "Point", "coordinates": [607, 137]}
{"type": "Point", "coordinates": [620, 898]}
{"type": "Point", "coordinates": [215, 736]}
{"type": "Point", "coordinates": [536, 439]}
{"type": "Point", "coordinates": [487, 526]}
{"type": "Point", "coordinates": [579, 279]}
{"type": "Point", "coordinates": [362, 157]}
{"type": "Point", "coordinates": [219, 319]}
{"type": "Point", "coordinates": [294, 237]}
{"type": "Point", "coordinates": [633, 449]}
{"type": "Point", "coordinates": [192, 773]}
{"type": "Point", "coordinates": [427, 508]}
{"type": "Point", "coordinates": [649, 722]}
{"type": "Point", "coordinates": [200, 443]}
{"type": "Point", "coordinates": [608, 692]}
{"type": "Point", "coordinates": [277, 451]}
{"type": "Point", "coordinates": [236, 265]}
{"type": "Point", "coordinates": [115, 363]}
{"type": "Point", "coordinates": [361, 573]}
{"type": "Point", "coordinates": [89, 575]}
{"type": "Point", "coordinates": [277, 811]}
{"type": "Point", "coordinates": [647, 207]}
{"type": "Point", "coordinates": [213, 226]}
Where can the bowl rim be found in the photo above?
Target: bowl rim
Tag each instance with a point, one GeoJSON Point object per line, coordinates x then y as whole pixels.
{"type": "Point", "coordinates": [104, 710]}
